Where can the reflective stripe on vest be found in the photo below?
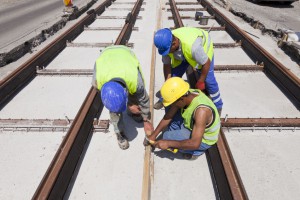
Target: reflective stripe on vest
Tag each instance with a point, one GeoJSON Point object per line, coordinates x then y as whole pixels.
{"type": "Point", "coordinates": [117, 62]}
{"type": "Point", "coordinates": [187, 37]}
{"type": "Point", "coordinates": [211, 133]}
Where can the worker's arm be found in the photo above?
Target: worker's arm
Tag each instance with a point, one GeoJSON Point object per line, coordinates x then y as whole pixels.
{"type": "Point", "coordinates": [202, 59]}
{"type": "Point", "coordinates": [164, 122]}
{"type": "Point", "coordinates": [204, 71]}
{"type": "Point", "coordinates": [143, 106]}
{"type": "Point", "coordinates": [202, 117]}
{"type": "Point", "coordinates": [167, 71]}
{"type": "Point", "coordinates": [166, 60]}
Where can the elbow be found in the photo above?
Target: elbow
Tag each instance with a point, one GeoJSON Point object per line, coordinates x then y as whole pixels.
{"type": "Point", "coordinates": [195, 144]}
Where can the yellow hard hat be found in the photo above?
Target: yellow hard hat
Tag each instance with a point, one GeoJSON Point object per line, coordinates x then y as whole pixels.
{"type": "Point", "coordinates": [173, 89]}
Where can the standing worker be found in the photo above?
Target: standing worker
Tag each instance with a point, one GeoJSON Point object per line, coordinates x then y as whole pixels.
{"type": "Point", "coordinates": [189, 46]}
{"type": "Point", "coordinates": [192, 120]}
{"type": "Point", "coordinates": [118, 76]}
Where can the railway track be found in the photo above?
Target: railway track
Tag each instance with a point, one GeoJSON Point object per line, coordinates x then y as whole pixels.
{"type": "Point", "coordinates": [55, 88]}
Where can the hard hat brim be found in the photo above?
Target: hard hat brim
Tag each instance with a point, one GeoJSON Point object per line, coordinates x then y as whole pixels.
{"type": "Point", "coordinates": [164, 53]}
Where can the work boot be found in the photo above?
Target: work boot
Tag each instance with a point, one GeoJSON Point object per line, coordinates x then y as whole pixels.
{"type": "Point", "coordinates": [158, 105]}
{"type": "Point", "coordinates": [122, 141]}
{"type": "Point", "coordinates": [188, 156]}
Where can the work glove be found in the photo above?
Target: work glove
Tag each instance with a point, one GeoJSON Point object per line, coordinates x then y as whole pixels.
{"type": "Point", "coordinates": [200, 85]}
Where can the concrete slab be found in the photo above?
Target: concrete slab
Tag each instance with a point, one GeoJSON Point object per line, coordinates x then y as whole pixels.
{"type": "Point", "coordinates": [107, 172]}
{"type": "Point", "coordinates": [97, 37]}
{"type": "Point", "coordinates": [221, 37]}
{"type": "Point", "coordinates": [193, 23]}
{"type": "Point", "coordinates": [231, 56]}
{"type": "Point", "coordinates": [75, 58]}
{"type": "Point", "coordinates": [116, 13]}
{"type": "Point", "coordinates": [268, 162]}
{"type": "Point", "coordinates": [254, 95]}
{"type": "Point", "coordinates": [48, 98]}
{"type": "Point", "coordinates": [24, 159]}
{"type": "Point", "coordinates": [108, 23]}
{"type": "Point", "coordinates": [175, 178]}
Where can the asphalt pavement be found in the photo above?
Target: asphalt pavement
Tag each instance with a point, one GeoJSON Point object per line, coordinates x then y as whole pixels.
{"type": "Point", "coordinates": [25, 19]}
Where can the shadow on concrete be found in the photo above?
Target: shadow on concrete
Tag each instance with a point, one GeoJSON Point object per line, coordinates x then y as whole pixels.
{"type": "Point", "coordinates": [167, 154]}
{"type": "Point", "coordinates": [131, 127]}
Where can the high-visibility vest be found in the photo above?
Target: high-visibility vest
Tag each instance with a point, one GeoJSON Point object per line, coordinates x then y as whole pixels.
{"type": "Point", "coordinates": [117, 62]}
{"type": "Point", "coordinates": [187, 37]}
{"type": "Point", "coordinates": [211, 133]}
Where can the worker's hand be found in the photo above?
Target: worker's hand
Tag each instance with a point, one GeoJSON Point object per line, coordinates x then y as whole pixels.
{"type": "Point", "coordinates": [162, 144]}
{"type": "Point", "coordinates": [147, 141]}
{"type": "Point", "coordinates": [200, 85]}
{"type": "Point", "coordinates": [134, 109]}
{"type": "Point", "coordinates": [148, 127]}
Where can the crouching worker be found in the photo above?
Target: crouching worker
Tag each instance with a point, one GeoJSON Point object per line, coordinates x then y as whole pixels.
{"type": "Point", "coordinates": [118, 76]}
{"type": "Point", "coordinates": [192, 122]}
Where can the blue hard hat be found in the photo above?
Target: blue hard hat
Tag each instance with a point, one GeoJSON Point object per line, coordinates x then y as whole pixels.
{"type": "Point", "coordinates": [114, 97]}
{"type": "Point", "coordinates": [163, 41]}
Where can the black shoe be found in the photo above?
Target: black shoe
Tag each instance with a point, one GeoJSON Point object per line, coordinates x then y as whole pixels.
{"type": "Point", "coordinates": [158, 105]}
{"type": "Point", "coordinates": [122, 141]}
{"type": "Point", "coordinates": [188, 156]}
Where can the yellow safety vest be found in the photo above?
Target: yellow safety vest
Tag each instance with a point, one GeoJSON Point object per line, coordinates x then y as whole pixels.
{"type": "Point", "coordinates": [211, 133]}
{"type": "Point", "coordinates": [118, 61]}
{"type": "Point", "coordinates": [187, 37]}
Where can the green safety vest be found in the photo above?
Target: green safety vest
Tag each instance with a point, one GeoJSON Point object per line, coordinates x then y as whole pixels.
{"type": "Point", "coordinates": [187, 37]}
{"type": "Point", "coordinates": [211, 133]}
{"type": "Point", "coordinates": [117, 62]}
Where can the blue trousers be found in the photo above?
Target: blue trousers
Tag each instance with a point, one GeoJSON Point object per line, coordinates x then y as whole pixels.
{"type": "Point", "coordinates": [211, 83]}
{"type": "Point", "coordinates": [177, 131]}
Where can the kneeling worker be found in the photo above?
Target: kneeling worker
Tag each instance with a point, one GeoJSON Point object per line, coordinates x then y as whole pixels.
{"type": "Point", "coordinates": [192, 120]}
{"type": "Point", "coordinates": [118, 76]}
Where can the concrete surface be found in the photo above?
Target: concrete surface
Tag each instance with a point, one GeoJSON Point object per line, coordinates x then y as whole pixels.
{"type": "Point", "coordinates": [24, 158]}
{"type": "Point", "coordinates": [268, 162]}
{"type": "Point", "coordinates": [106, 172]}
{"type": "Point", "coordinates": [54, 98]}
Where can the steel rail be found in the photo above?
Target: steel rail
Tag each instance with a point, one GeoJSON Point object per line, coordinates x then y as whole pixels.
{"type": "Point", "coordinates": [288, 81]}
{"type": "Point", "coordinates": [89, 72]}
{"type": "Point", "coordinates": [56, 181]}
{"type": "Point", "coordinates": [189, 9]}
{"type": "Point", "coordinates": [224, 172]}
{"type": "Point", "coordinates": [11, 84]}
{"type": "Point", "coordinates": [261, 122]}
{"type": "Point", "coordinates": [239, 67]}
{"type": "Point", "coordinates": [220, 28]}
